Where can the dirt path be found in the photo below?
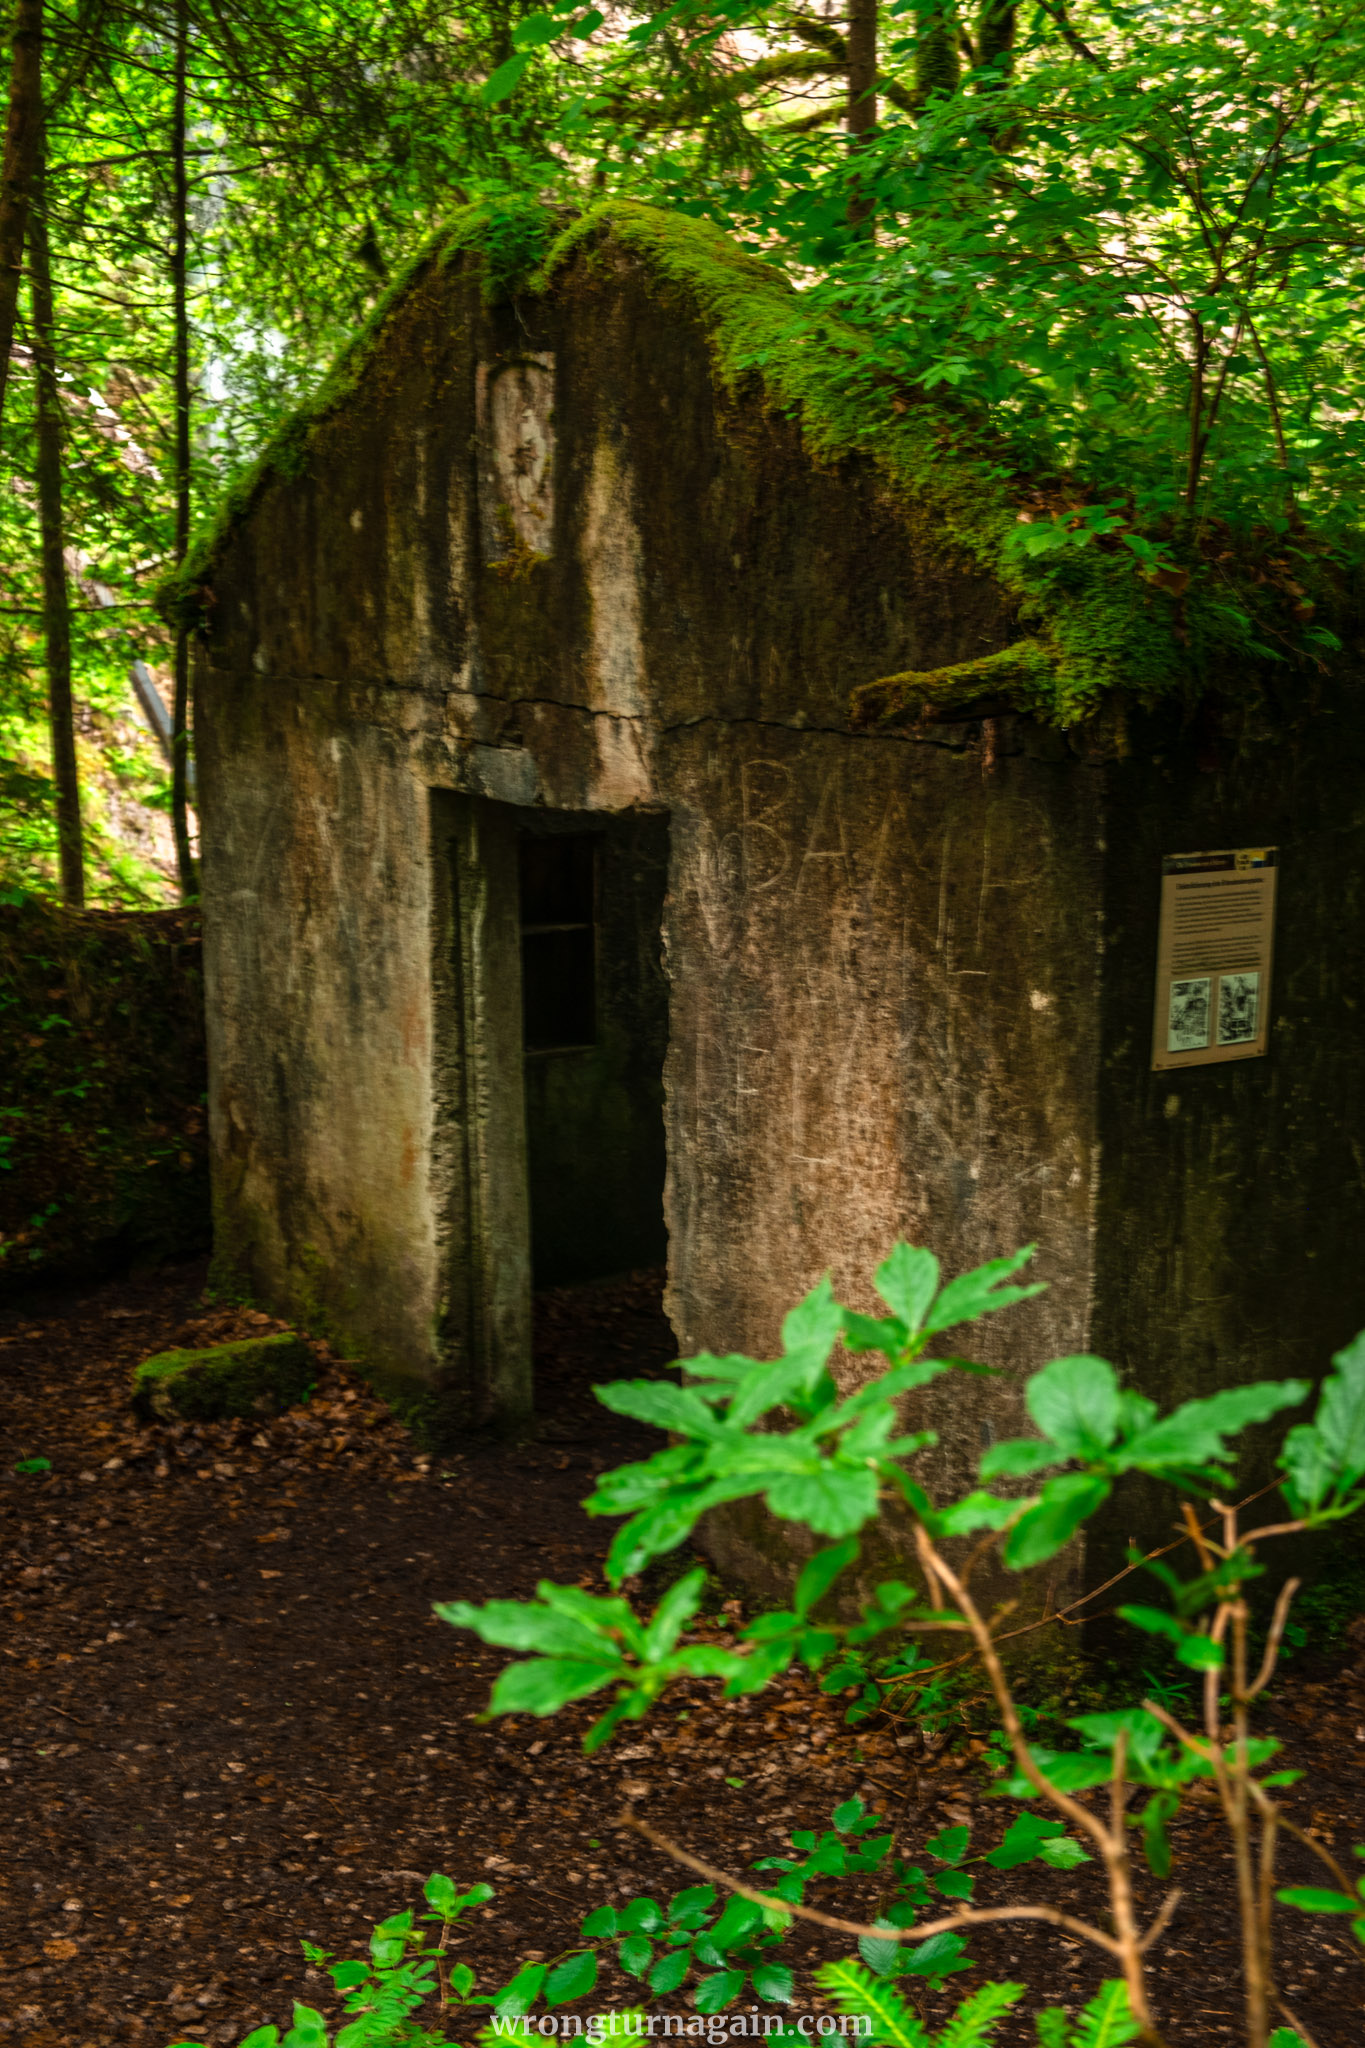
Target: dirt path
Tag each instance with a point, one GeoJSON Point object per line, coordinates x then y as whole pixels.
{"type": "Point", "coordinates": [230, 1719]}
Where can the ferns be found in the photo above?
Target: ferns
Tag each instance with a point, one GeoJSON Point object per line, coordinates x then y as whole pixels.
{"type": "Point", "coordinates": [894, 2025]}
{"type": "Point", "coordinates": [1107, 2022]}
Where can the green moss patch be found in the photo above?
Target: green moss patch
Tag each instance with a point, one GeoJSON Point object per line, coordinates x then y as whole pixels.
{"type": "Point", "coordinates": [259, 1376]}
{"type": "Point", "coordinates": [1092, 622]}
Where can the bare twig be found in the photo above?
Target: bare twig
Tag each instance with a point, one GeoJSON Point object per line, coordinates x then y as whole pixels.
{"type": "Point", "coordinates": [861, 1929]}
{"type": "Point", "coordinates": [1272, 1646]}
{"type": "Point", "coordinates": [1297, 2024]}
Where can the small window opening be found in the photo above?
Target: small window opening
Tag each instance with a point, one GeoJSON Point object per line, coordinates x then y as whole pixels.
{"type": "Point", "coordinates": [559, 941]}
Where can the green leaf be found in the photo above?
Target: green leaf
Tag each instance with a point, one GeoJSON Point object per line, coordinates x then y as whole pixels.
{"type": "Point", "coordinates": [1156, 1843]}
{"type": "Point", "coordinates": [677, 1607]}
{"type": "Point", "coordinates": [871, 1333]}
{"type": "Point", "coordinates": [907, 1282]}
{"type": "Point", "coordinates": [641, 1916]}
{"type": "Point", "coordinates": [847, 1816]}
{"type": "Point", "coordinates": [517, 1997]}
{"type": "Point", "coordinates": [668, 1973]}
{"type": "Point", "coordinates": [1154, 1620]}
{"type": "Point", "coordinates": [1075, 1403]}
{"type": "Point", "coordinates": [1311, 1899]}
{"type": "Point", "coordinates": [950, 1845]}
{"type": "Point", "coordinates": [1328, 1455]}
{"type": "Point", "coordinates": [1016, 1457]}
{"type": "Point", "coordinates": [263, 2037]}
{"type": "Point", "coordinates": [505, 80]}
{"type": "Point", "coordinates": [716, 1991]}
{"type": "Point", "coordinates": [1285, 2037]}
{"type": "Point", "coordinates": [1307, 1461]}
{"type": "Point", "coordinates": [739, 1919]}
{"type": "Point", "coordinates": [526, 1625]}
{"type": "Point", "coordinates": [635, 1954]}
{"type": "Point", "coordinates": [1144, 1733]}
{"type": "Point", "coordinates": [548, 1683]}
{"type": "Point", "coordinates": [534, 30]}
{"type": "Point", "coordinates": [979, 1293]}
{"type": "Point", "coordinates": [834, 1501]}
{"type": "Point", "coordinates": [698, 1899]}
{"type": "Point", "coordinates": [1041, 1530]}
{"type": "Point", "coordinates": [1064, 1854]}
{"type": "Point", "coordinates": [1200, 1653]}
{"type": "Point", "coordinates": [1024, 1838]}
{"type": "Point", "coordinates": [974, 1511]}
{"type": "Point", "coordinates": [954, 1884]}
{"type": "Point", "coordinates": [600, 1924]}
{"type": "Point", "coordinates": [775, 1983]}
{"type": "Point", "coordinates": [573, 1978]}
{"type": "Point", "coordinates": [1193, 1435]}
{"type": "Point", "coordinates": [34, 1465]}
{"type": "Point", "coordinates": [345, 1976]}
{"type": "Point", "coordinates": [678, 1409]}
{"type": "Point", "coordinates": [881, 1957]}
{"type": "Point", "coordinates": [812, 1327]}
{"type": "Point", "coordinates": [1340, 1415]}
{"type": "Point", "coordinates": [942, 1955]}
{"type": "Point", "coordinates": [309, 2029]}
{"type": "Point", "coordinates": [819, 1575]}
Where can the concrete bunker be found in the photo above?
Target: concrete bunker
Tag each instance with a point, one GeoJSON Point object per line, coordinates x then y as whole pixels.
{"type": "Point", "coordinates": [561, 607]}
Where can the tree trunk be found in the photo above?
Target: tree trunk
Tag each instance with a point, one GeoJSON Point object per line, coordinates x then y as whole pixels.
{"type": "Point", "coordinates": [23, 145]}
{"type": "Point", "coordinates": [861, 117]}
{"type": "Point", "coordinates": [180, 713]}
{"type": "Point", "coordinates": [995, 37]}
{"type": "Point", "coordinates": [937, 67]}
{"type": "Point", "coordinates": [56, 610]}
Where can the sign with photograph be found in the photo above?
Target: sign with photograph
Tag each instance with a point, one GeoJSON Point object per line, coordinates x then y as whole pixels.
{"type": "Point", "coordinates": [1213, 956]}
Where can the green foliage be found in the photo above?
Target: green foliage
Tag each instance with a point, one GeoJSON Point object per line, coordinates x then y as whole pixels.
{"type": "Point", "coordinates": [1107, 2022]}
{"type": "Point", "coordinates": [894, 2022]}
{"type": "Point", "coordinates": [1314, 1899]}
{"type": "Point", "coordinates": [102, 1103]}
{"type": "Point", "coordinates": [381, 1995]}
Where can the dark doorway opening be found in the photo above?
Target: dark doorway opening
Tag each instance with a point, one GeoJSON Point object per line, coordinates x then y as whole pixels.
{"type": "Point", "coordinates": [595, 1032]}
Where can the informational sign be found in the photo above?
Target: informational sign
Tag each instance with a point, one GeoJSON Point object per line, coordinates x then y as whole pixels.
{"type": "Point", "coordinates": [1213, 956]}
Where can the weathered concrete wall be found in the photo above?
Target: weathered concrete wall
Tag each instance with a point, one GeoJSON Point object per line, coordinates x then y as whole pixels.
{"type": "Point", "coordinates": [1232, 1207]}
{"type": "Point", "coordinates": [883, 955]}
{"type": "Point", "coordinates": [699, 586]}
{"type": "Point", "coordinates": [317, 881]}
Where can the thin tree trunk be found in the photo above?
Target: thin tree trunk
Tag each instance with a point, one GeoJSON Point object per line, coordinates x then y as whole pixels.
{"type": "Point", "coordinates": [23, 145]}
{"type": "Point", "coordinates": [937, 67]}
{"type": "Point", "coordinates": [180, 713]}
{"type": "Point", "coordinates": [861, 117]}
{"type": "Point", "coordinates": [56, 609]}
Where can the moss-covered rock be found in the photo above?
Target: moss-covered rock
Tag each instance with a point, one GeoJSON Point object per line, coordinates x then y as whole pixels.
{"type": "Point", "coordinates": [259, 1376]}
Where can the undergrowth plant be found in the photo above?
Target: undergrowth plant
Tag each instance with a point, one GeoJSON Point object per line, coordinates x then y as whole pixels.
{"type": "Point", "coordinates": [782, 1431]}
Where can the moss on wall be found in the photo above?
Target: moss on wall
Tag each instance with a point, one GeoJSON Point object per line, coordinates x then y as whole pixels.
{"type": "Point", "coordinates": [103, 1148]}
{"type": "Point", "coordinates": [1095, 623]}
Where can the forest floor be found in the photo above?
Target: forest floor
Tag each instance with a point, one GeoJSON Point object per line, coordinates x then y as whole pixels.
{"type": "Point", "coordinates": [229, 1718]}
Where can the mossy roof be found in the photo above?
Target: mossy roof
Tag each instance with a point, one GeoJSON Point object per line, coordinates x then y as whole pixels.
{"type": "Point", "coordinates": [1092, 625]}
